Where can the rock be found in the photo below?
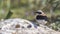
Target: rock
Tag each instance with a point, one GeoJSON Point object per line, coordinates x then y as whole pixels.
{"type": "Point", "coordinates": [22, 26]}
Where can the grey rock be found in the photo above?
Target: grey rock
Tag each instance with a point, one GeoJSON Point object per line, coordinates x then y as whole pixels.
{"type": "Point", "coordinates": [9, 27]}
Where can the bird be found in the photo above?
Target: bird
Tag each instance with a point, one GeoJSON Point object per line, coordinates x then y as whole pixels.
{"type": "Point", "coordinates": [41, 17]}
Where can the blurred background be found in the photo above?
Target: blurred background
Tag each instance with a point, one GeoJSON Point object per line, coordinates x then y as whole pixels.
{"type": "Point", "coordinates": [25, 9]}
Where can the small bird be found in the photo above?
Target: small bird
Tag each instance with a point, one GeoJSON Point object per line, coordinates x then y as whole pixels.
{"type": "Point", "coordinates": [41, 17]}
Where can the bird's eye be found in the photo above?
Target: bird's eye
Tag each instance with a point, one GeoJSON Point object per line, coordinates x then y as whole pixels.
{"type": "Point", "coordinates": [40, 13]}
{"type": "Point", "coordinates": [29, 26]}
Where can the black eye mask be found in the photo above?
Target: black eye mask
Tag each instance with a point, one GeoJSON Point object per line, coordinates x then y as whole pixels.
{"type": "Point", "coordinates": [38, 12]}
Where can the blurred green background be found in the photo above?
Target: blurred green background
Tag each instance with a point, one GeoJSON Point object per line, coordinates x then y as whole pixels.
{"type": "Point", "coordinates": [25, 9]}
{"type": "Point", "coordinates": [20, 8]}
